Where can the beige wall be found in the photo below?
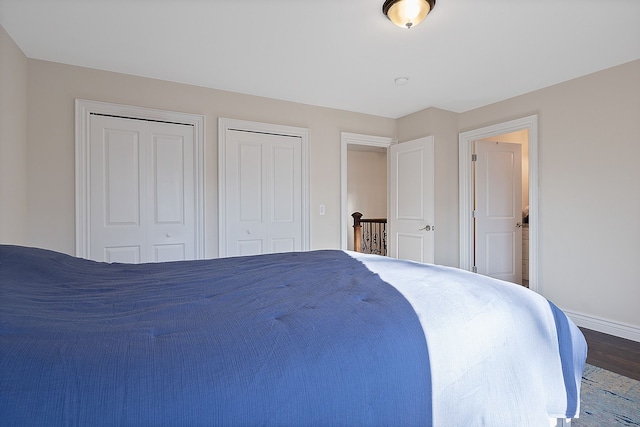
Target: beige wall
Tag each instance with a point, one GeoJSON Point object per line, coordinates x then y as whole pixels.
{"type": "Point", "coordinates": [13, 142]}
{"type": "Point", "coordinates": [366, 186]}
{"type": "Point", "coordinates": [589, 183]}
{"type": "Point", "coordinates": [53, 87]}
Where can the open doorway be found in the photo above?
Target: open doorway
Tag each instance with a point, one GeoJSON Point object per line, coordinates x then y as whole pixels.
{"type": "Point", "coordinates": [367, 187]}
{"type": "Point", "coordinates": [513, 129]}
{"type": "Point", "coordinates": [410, 190]}
{"type": "Point", "coordinates": [356, 150]}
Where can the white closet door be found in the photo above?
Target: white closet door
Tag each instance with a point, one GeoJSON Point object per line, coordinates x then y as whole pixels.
{"type": "Point", "coordinates": [142, 191]}
{"type": "Point", "coordinates": [263, 193]}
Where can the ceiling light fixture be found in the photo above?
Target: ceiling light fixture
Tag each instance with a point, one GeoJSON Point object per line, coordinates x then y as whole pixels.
{"type": "Point", "coordinates": [407, 13]}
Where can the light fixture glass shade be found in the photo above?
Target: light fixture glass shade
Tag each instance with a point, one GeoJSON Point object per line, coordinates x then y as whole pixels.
{"type": "Point", "coordinates": [407, 13]}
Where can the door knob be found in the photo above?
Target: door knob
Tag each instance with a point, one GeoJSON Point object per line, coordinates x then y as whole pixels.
{"type": "Point", "coordinates": [426, 228]}
{"type": "Point", "coordinates": [168, 234]}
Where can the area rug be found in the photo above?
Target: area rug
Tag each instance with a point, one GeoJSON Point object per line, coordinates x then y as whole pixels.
{"type": "Point", "coordinates": [608, 399]}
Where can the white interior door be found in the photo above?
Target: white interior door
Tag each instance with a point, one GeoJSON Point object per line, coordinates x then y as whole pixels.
{"type": "Point", "coordinates": [142, 191]}
{"type": "Point", "coordinates": [411, 197]}
{"type": "Point", "coordinates": [498, 212]}
{"type": "Point", "coordinates": [263, 193]}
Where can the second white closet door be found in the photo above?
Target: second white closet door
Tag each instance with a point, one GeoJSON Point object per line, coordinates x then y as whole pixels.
{"type": "Point", "coordinates": [263, 193]}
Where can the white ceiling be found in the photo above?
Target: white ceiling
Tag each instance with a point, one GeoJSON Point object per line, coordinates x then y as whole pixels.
{"type": "Point", "coordinates": [336, 53]}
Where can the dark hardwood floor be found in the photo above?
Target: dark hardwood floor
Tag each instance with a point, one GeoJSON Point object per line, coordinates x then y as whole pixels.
{"type": "Point", "coordinates": [615, 354]}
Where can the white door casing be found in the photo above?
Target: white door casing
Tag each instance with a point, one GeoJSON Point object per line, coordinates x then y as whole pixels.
{"type": "Point", "coordinates": [465, 169]}
{"type": "Point", "coordinates": [263, 188]}
{"type": "Point", "coordinates": [498, 213]}
{"type": "Point", "coordinates": [148, 165]}
{"type": "Point", "coordinates": [411, 198]}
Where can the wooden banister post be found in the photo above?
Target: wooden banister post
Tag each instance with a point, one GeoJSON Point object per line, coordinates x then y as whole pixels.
{"type": "Point", "coordinates": [357, 232]}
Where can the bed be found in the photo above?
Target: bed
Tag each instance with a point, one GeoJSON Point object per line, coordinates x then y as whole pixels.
{"type": "Point", "coordinates": [323, 338]}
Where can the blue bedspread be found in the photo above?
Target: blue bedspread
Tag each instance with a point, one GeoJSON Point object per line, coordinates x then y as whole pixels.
{"type": "Point", "coordinates": [287, 339]}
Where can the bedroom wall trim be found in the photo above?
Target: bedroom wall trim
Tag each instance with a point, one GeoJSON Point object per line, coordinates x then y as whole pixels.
{"type": "Point", "coordinates": [606, 326]}
{"type": "Point", "coordinates": [83, 110]}
{"type": "Point", "coordinates": [347, 139]}
{"type": "Point", "coordinates": [226, 124]}
{"type": "Point", "coordinates": [465, 140]}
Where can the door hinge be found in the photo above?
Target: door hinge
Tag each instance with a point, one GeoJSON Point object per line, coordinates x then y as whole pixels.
{"type": "Point", "coordinates": [474, 213]}
{"type": "Point", "coordinates": [474, 157]}
{"type": "Point", "coordinates": [474, 269]}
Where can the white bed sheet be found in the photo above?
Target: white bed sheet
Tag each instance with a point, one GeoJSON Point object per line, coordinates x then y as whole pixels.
{"type": "Point", "coordinates": [493, 346]}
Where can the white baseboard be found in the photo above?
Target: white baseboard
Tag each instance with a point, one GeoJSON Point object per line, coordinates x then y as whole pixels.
{"type": "Point", "coordinates": [606, 326]}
